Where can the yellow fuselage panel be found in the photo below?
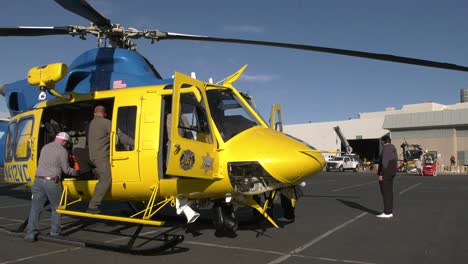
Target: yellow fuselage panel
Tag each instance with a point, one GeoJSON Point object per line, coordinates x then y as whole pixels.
{"type": "Point", "coordinates": [135, 191]}
{"type": "Point", "coordinates": [195, 188]}
{"type": "Point", "coordinates": [286, 159]}
{"type": "Point", "coordinates": [140, 191]}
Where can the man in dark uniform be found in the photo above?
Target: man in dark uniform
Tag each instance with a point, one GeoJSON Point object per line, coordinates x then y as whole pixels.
{"type": "Point", "coordinates": [53, 161]}
{"type": "Point", "coordinates": [98, 143]}
{"type": "Point", "coordinates": [386, 174]}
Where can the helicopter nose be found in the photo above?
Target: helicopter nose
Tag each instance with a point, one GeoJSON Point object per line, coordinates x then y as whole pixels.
{"type": "Point", "coordinates": [294, 165]}
{"type": "Point", "coordinates": [286, 159]}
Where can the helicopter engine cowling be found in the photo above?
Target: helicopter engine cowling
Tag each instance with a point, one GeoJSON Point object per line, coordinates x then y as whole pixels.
{"type": "Point", "coordinates": [94, 70]}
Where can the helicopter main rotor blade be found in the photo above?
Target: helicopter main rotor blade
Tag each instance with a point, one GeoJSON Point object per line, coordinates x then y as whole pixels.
{"type": "Point", "coordinates": [83, 9]}
{"type": "Point", "coordinates": [35, 31]}
{"type": "Point", "coordinates": [352, 53]}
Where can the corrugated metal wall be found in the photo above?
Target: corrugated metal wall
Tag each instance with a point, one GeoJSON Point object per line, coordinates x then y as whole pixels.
{"type": "Point", "coordinates": [446, 142]}
{"type": "Point", "coordinates": [450, 118]}
{"type": "Point", "coordinates": [423, 133]}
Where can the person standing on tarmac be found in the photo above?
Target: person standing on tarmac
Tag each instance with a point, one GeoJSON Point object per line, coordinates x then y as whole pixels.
{"type": "Point", "coordinates": [452, 160]}
{"type": "Point", "coordinates": [386, 173]}
{"type": "Point", "coordinates": [53, 161]}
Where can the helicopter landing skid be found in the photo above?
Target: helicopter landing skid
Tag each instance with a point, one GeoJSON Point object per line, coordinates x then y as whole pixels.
{"type": "Point", "coordinates": [143, 217]}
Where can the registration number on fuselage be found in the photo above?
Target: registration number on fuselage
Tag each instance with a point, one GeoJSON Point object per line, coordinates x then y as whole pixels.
{"type": "Point", "coordinates": [17, 173]}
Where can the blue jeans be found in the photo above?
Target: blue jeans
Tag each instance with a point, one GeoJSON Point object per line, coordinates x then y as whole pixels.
{"type": "Point", "coordinates": [42, 191]}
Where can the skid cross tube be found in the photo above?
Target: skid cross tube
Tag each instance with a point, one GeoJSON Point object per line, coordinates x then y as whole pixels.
{"type": "Point", "coordinates": [148, 211]}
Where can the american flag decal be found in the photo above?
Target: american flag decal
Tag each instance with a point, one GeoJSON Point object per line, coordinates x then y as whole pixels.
{"type": "Point", "coordinates": [119, 84]}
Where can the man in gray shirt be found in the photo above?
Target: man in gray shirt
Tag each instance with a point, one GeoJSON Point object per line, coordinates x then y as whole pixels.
{"type": "Point", "coordinates": [53, 161]}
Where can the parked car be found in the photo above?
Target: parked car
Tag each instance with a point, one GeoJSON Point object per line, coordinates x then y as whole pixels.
{"type": "Point", "coordinates": [342, 163]}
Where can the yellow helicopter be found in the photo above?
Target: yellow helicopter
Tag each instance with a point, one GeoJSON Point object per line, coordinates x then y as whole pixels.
{"type": "Point", "coordinates": [194, 144]}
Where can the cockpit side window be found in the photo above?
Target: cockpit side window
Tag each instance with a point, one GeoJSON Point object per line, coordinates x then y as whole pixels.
{"type": "Point", "coordinates": [23, 146]}
{"type": "Point", "coordinates": [10, 141]}
{"type": "Point", "coordinates": [229, 114]}
{"type": "Point", "coordinates": [126, 124]}
{"type": "Point", "coordinates": [193, 120]}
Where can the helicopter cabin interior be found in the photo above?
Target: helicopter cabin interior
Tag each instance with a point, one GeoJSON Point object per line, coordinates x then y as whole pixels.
{"type": "Point", "coordinates": [74, 119]}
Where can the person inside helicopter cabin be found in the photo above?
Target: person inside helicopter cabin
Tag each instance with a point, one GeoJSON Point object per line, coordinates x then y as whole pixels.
{"type": "Point", "coordinates": [98, 139]}
{"type": "Point", "coordinates": [53, 162]}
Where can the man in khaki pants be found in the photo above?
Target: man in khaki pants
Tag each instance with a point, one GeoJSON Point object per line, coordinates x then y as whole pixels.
{"type": "Point", "coordinates": [98, 143]}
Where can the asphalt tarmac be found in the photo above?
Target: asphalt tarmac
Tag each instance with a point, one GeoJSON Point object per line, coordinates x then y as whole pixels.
{"type": "Point", "coordinates": [335, 223]}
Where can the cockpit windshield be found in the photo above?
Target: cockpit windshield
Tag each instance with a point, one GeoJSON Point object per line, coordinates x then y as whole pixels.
{"type": "Point", "coordinates": [229, 113]}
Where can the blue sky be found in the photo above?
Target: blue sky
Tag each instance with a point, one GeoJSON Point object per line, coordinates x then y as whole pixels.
{"type": "Point", "coordinates": [310, 86]}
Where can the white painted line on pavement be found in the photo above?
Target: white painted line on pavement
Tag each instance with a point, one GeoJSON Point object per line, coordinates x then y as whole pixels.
{"type": "Point", "coordinates": [9, 225]}
{"type": "Point", "coordinates": [48, 253]}
{"type": "Point", "coordinates": [13, 206]}
{"type": "Point", "coordinates": [409, 188]}
{"type": "Point", "coordinates": [353, 186]}
{"type": "Point", "coordinates": [233, 247]}
{"type": "Point", "coordinates": [337, 260]}
{"type": "Point", "coordinates": [323, 181]}
{"type": "Point", "coordinates": [275, 252]}
{"type": "Point", "coordinates": [11, 219]}
{"type": "Point", "coordinates": [40, 255]}
{"type": "Point", "coordinates": [315, 240]}
{"type": "Point", "coordinates": [68, 249]}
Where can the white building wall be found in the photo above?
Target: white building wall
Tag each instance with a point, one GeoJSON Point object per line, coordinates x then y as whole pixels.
{"type": "Point", "coordinates": [319, 135]}
{"type": "Point", "coordinates": [369, 126]}
{"type": "Point", "coordinates": [322, 136]}
{"type": "Point", "coordinates": [411, 108]}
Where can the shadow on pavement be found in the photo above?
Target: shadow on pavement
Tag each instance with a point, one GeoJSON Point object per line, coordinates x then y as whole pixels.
{"type": "Point", "coordinates": [358, 206]}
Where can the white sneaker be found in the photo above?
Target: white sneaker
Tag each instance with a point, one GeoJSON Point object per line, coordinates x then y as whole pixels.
{"type": "Point", "coordinates": [382, 215]}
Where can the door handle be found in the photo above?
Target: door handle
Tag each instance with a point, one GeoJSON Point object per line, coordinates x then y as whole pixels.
{"type": "Point", "coordinates": [177, 148]}
{"type": "Point", "coordinates": [122, 158]}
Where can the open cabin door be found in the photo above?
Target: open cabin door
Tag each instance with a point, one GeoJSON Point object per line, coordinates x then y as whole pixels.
{"type": "Point", "coordinates": [124, 151]}
{"type": "Point", "coordinates": [192, 148]}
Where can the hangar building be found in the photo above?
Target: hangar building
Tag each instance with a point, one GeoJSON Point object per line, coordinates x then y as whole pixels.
{"type": "Point", "coordinates": [436, 127]}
